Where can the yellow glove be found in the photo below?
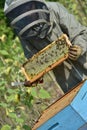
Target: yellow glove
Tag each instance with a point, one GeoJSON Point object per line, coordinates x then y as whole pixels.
{"type": "Point", "coordinates": [74, 52]}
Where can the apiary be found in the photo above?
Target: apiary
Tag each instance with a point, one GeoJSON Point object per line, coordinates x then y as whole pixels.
{"type": "Point", "coordinates": [46, 59]}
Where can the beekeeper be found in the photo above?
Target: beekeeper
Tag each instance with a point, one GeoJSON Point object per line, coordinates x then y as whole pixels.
{"type": "Point", "coordinates": [37, 23]}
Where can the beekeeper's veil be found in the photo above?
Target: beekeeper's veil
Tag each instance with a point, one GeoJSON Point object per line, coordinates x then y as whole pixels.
{"type": "Point", "coordinates": [28, 17]}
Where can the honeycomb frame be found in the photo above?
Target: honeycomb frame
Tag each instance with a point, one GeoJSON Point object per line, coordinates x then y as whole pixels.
{"type": "Point", "coordinates": [46, 59]}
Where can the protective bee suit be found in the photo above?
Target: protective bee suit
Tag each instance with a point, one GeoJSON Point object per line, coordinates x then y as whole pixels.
{"type": "Point", "coordinates": [38, 23]}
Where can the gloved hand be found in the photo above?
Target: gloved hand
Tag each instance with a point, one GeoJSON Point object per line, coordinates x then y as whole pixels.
{"type": "Point", "coordinates": [74, 52]}
{"type": "Point", "coordinates": [29, 84]}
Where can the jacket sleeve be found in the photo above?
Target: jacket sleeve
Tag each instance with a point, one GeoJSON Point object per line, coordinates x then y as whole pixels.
{"type": "Point", "coordinates": [69, 25]}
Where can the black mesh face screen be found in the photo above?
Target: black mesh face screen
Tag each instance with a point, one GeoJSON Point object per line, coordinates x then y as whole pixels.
{"type": "Point", "coordinates": [39, 30]}
{"type": "Point", "coordinates": [30, 18]}
{"type": "Point", "coordinates": [23, 8]}
{"type": "Point", "coordinates": [21, 23]}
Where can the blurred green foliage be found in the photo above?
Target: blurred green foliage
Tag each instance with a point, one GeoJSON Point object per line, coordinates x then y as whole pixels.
{"type": "Point", "coordinates": [15, 101]}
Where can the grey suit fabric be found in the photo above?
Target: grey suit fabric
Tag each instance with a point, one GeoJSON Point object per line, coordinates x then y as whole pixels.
{"type": "Point", "coordinates": [69, 73]}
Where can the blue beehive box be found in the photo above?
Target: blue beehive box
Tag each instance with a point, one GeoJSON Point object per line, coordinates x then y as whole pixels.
{"type": "Point", "coordinates": [71, 117]}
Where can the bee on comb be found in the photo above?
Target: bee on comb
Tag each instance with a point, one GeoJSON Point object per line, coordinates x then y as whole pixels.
{"type": "Point", "coordinates": [46, 59]}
